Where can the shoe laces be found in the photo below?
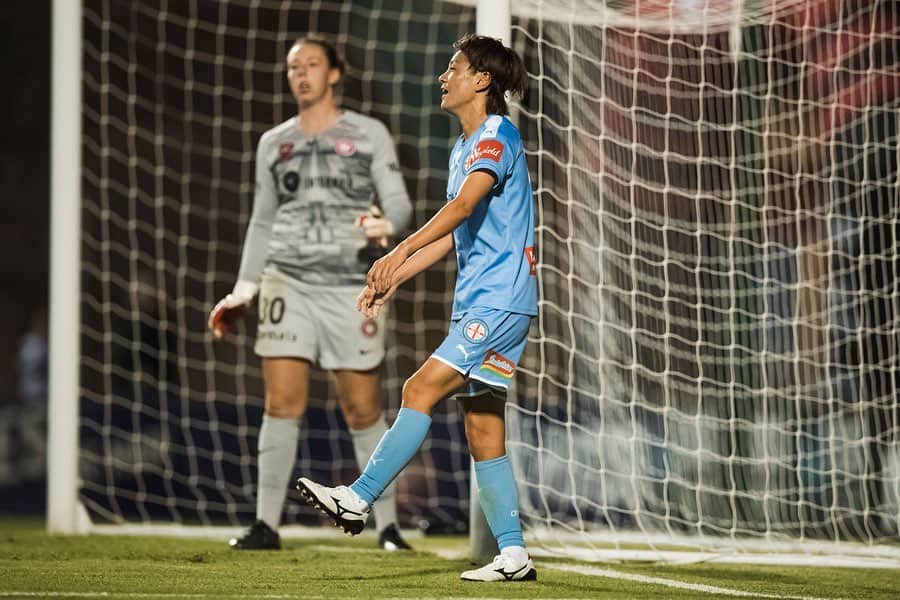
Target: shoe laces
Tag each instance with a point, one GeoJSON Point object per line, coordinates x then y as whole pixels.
{"type": "Point", "coordinates": [507, 562]}
{"type": "Point", "coordinates": [502, 561]}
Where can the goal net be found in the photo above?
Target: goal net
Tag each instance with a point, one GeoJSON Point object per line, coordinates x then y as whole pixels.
{"type": "Point", "coordinates": [715, 363]}
{"type": "Point", "coordinates": [176, 96]}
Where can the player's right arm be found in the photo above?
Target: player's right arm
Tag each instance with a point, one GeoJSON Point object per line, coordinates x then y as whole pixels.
{"type": "Point", "coordinates": [253, 255]}
{"type": "Point", "coordinates": [369, 303]}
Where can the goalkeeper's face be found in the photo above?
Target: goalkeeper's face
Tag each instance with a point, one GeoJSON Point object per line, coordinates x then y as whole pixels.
{"type": "Point", "coordinates": [310, 75]}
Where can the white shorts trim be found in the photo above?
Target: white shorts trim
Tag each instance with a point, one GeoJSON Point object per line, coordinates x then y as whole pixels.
{"type": "Point", "coordinates": [450, 364]}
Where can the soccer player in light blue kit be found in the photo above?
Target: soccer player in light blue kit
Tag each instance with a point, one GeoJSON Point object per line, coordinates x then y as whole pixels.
{"type": "Point", "coordinates": [489, 219]}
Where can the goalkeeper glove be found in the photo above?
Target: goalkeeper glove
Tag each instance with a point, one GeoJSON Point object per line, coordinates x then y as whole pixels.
{"type": "Point", "coordinates": [375, 226]}
{"type": "Point", "coordinates": [231, 307]}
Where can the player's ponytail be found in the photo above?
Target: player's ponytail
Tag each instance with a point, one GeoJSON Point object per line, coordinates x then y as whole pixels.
{"type": "Point", "coordinates": [508, 74]}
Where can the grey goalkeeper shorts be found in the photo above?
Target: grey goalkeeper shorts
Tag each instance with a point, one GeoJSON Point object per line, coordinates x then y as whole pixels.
{"type": "Point", "coordinates": [317, 323]}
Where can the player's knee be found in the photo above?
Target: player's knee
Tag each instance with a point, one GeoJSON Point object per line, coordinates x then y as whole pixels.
{"type": "Point", "coordinates": [485, 441]}
{"type": "Point", "coordinates": [416, 395]}
{"type": "Point", "coordinates": [283, 403]}
{"type": "Point", "coordinates": [362, 415]}
{"type": "Point", "coordinates": [411, 390]}
{"type": "Point", "coordinates": [479, 440]}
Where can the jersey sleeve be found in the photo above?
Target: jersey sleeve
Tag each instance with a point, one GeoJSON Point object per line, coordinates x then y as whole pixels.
{"type": "Point", "coordinates": [389, 185]}
{"type": "Point", "coordinates": [265, 205]}
{"type": "Point", "coordinates": [495, 153]}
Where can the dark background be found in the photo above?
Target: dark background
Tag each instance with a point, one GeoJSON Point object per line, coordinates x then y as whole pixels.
{"type": "Point", "coordinates": [135, 390]}
{"type": "Point", "coordinates": [24, 177]}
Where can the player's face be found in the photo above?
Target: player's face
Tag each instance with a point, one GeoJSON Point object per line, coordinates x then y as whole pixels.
{"type": "Point", "coordinates": [459, 83]}
{"type": "Point", "coordinates": [309, 74]}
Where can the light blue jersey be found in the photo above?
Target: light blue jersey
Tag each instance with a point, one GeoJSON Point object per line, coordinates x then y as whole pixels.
{"type": "Point", "coordinates": [495, 246]}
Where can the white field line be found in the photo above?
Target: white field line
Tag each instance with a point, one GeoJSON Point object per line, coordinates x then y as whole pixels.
{"type": "Point", "coordinates": [449, 555]}
{"type": "Point", "coordinates": [673, 583]}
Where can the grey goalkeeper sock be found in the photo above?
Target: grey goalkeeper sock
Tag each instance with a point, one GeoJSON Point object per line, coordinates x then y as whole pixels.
{"type": "Point", "coordinates": [277, 453]}
{"type": "Point", "coordinates": [364, 443]}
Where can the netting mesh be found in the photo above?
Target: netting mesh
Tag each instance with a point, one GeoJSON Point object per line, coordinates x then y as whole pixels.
{"type": "Point", "coordinates": [716, 184]}
{"type": "Point", "coordinates": [716, 351]}
{"type": "Point", "coordinates": [176, 95]}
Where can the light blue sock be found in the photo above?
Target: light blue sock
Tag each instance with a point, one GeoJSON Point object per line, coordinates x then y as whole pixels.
{"type": "Point", "coordinates": [499, 500]}
{"type": "Point", "coordinates": [396, 448]}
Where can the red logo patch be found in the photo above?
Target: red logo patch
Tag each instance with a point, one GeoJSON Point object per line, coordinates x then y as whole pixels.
{"type": "Point", "coordinates": [490, 149]}
{"type": "Point", "coordinates": [369, 327]}
{"type": "Point", "coordinates": [499, 364]}
{"type": "Point", "coordinates": [344, 147]}
{"type": "Point", "coordinates": [532, 260]}
{"type": "Point", "coordinates": [285, 150]}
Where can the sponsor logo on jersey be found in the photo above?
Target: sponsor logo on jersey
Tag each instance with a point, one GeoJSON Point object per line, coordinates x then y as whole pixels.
{"type": "Point", "coordinates": [475, 330]}
{"type": "Point", "coordinates": [327, 182]}
{"type": "Point", "coordinates": [369, 328]}
{"type": "Point", "coordinates": [532, 260]}
{"type": "Point", "coordinates": [498, 364]}
{"type": "Point", "coordinates": [344, 147]}
{"type": "Point", "coordinates": [291, 181]}
{"type": "Point", "coordinates": [285, 150]}
{"type": "Point", "coordinates": [489, 149]}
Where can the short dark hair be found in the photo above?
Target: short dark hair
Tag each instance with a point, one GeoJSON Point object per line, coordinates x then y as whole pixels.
{"type": "Point", "coordinates": [331, 54]}
{"type": "Point", "coordinates": [508, 74]}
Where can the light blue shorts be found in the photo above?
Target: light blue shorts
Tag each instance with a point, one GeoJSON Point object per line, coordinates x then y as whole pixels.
{"type": "Point", "coordinates": [485, 346]}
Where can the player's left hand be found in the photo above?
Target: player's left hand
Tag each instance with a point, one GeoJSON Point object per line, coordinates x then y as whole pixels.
{"type": "Point", "coordinates": [381, 274]}
{"type": "Point", "coordinates": [369, 303]}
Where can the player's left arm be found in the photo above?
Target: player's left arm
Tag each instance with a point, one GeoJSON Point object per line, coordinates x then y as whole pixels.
{"type": "Point", "coordinates": [396, 207]}
{"type": "Point", "coordinates": [475, 187]}
{"type": "Point", "coordinates": [370, 303]}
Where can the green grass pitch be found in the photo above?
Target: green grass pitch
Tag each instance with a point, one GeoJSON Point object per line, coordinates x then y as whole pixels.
{"type": "Point", "coordinates": [36, 565]}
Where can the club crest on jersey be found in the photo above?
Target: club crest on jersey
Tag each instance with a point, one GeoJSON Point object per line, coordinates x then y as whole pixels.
{"type": "Point", "coordinates": [489, 149]}
{"type": "Point", "coordinates": [369, 327]}
{"type": "Point", "coordinates": [285, 150]}
{"type": "Point", "coordinates": [475, 330]}
{"type": "Point", "coordinates": [344, 147]}
{"type": "Point", "coordinates": [496, 363]}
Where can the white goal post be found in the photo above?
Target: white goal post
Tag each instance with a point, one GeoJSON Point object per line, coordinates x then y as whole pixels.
{"type": "Point", "coordinates": [63, 514]}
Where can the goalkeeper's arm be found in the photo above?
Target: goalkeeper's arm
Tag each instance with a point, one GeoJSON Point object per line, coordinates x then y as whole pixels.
{"type": "Point", "coordinates": [253, 258]}
{"type": "Point", "coordinates": [231, 307]}
{"type": "Point", "coordinates": [369, 303]}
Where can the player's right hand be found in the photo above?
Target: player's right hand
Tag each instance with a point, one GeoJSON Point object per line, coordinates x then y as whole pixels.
{"type": "Point", "coordinates": [230, 308]}
{"type": "Point", "coordinates": [381, 276]}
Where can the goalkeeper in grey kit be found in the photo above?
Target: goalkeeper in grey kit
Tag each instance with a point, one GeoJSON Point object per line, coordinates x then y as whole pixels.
{"type": "Point", "coordinates": [310, 241]}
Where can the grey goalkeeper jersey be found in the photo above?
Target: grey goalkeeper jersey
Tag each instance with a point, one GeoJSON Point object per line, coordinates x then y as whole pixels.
{"type": "Point", "coordinates": [309, 193]}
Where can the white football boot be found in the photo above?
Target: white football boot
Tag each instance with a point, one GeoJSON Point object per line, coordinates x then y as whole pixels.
{"type": "Point", "coordinates": [345, 508]}
{"type": "Point", "coordinates": [512, 564]}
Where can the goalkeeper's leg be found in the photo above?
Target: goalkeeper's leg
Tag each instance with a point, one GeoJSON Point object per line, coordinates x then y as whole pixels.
{"type": "Point", "coordinates": [359, 394]}
{"type": "Point", "coordinates": [287, 383]}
